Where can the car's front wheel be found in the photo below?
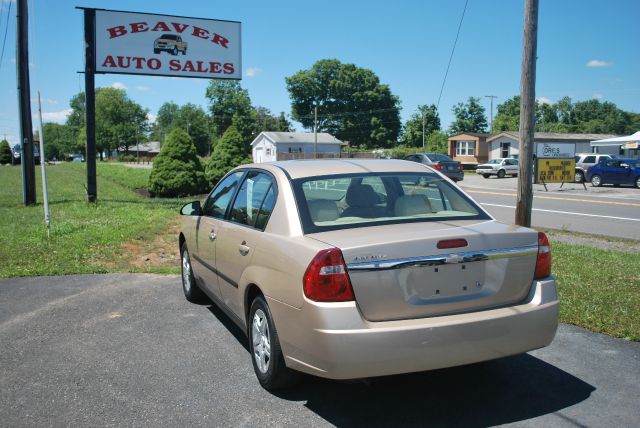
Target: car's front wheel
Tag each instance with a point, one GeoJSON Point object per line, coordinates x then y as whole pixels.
{"type": "Point", "coordinates": [596, 180]}
{"type": "Point", "coordinates": [156, 51]}
{"type": "Point", "coordinates": [174, 51]}
{"type": "Point", "coordinates": [501, 173]}
{"type": "Point", "coordinates": [579, 177]}
{"type": "Point", "coordinates": [266, 355]}
{"type": "Point", "coordinates": [192, 292]}
{"type": "Point", "coordinates": [486, 175]}
{"type": "Point", "coordinates": [638, 182]}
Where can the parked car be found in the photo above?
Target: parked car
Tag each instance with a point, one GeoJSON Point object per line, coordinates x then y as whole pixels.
{"type": "Point", "coordinates": [16, 154]}
{"type": "Point", "coordinates": [584, 161]}
{"type": "Point", "coordinates": [171, 43]}
{"type": "Point", "coordinates": [616, 172]}
{"type": "Point", "coordinates": [443, 163]}
{"type": "Point", "coordinates": [357, 268]}
{"type": "Point", "coordinates": [500, 167]}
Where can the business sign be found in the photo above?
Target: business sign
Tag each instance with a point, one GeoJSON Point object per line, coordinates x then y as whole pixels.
{"type": "Point", "coordinates": [143, 43]}
{"type": "Point", "coordinates": [555, 170]}
{"type": "Point", "coordinates": [553, 150]}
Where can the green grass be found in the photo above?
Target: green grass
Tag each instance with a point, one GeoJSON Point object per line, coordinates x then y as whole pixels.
{"type": "Point", "coordinates": [599, 289]}
{"type": "Point", "coordinates": [85, 238]}
{"type": "Point", "coordinates": [131, 178]}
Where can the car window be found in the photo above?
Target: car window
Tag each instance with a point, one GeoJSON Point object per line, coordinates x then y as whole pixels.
{"type": "Point", "coordinates": [252, 194]}
{"type": "Point", "coordinates": [437, 157]}
{"type": "Point", "coordinates": [589, 159]}
{"type": "Point", "coordinates": [219, 199]}
{"type": "Point", "coordinates": [495, 161]}
{"type": "Point", "coordinates": [609, 163]}
{"type": "Point", "coordinates": [349, 201]}
{"type": "Point", "coordinates": [266, 209]}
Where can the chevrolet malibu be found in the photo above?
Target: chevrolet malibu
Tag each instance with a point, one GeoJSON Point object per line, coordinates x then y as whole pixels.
{"type": "Point", "coordinates": [358, 268]}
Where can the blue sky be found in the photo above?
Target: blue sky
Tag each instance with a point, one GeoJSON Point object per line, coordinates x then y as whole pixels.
{"type": "Point", "coordinates": [586, 49]}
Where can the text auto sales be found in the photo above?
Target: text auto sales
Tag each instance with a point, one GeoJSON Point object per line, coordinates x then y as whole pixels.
{"type": "Point", "coordinates": [141, 63]}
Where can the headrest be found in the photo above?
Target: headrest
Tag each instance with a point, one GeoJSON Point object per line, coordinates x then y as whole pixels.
{"type": "Point", "coordinates": [323, 210]}
{"type": "Point", "coordinates": [409, 205]}
{"type": "Point", "coordinates": [361, 196]}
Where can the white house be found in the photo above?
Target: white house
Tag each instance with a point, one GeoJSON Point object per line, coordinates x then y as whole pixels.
{"type": "Point", "coordinates": [293, 145]}
{"type": "Point", "coordinates": [507, 144]}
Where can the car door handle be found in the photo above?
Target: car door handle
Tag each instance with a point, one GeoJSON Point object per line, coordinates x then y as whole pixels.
{"type": "Point", "coordinates": [244, 250]}
{"type": "Point", "coordinates": [212, 235]}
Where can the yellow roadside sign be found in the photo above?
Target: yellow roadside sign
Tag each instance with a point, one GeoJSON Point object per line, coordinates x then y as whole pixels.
{"type": "Point", "coordinates": [556, 170]}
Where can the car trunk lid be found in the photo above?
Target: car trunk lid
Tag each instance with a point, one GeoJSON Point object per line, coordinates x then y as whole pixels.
{"type": "Point", "coordinates": [398, 271]}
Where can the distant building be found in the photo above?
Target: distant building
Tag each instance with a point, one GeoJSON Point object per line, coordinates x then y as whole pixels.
{"type": "Point", "coordinates": [149, 149]}
{"type": "Point", "coordinates": [272, 146]}
{"type": "Point", "coordinates": [469, 148]}
{"type": "Point", "coordinates": [507, 144]}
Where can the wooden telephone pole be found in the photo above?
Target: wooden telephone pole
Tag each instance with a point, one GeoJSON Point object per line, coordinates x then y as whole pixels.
{"type": "Point", "coordinates": [24, 105]}
{"type": "Point", "coordinates": [524, 200]}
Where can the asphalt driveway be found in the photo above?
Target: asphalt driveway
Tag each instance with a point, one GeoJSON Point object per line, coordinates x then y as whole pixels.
{"type": "Point", "coordinates": [128, 350]}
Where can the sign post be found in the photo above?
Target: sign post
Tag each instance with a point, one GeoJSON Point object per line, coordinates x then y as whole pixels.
{"type": "Point", "coordinates": [118, 42]}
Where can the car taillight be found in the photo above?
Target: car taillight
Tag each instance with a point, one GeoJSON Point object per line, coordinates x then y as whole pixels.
{"type": "Point", "coordinates": [460, 167]}
{"type": "Point", "coordinates": [438, 166]}
{"type": "Point", "coordinates": [452, 243]}
{"type": "Point", "coordinates": [543, 262]}
{"type": "Point", "coordinates": [326, 278]}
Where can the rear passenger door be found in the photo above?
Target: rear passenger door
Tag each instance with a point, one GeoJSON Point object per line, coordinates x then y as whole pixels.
{"type": "Point", "coordinates": [240, 234]}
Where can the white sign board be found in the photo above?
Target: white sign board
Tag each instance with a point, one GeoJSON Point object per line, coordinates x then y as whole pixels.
{"type": "Point", "coordinates": [142, 43]}
{"type": "Point", "coordinates": [555, 150]}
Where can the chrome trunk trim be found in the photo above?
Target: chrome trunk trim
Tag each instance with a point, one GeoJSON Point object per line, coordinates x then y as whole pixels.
{"type": "Point", "coordinates": [442, 259]}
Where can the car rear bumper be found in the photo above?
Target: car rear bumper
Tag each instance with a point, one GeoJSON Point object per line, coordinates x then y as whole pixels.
{"type": "Point", "coordinates": [455, 176]}
{"type": "Point", "coordinates": [334, 341]}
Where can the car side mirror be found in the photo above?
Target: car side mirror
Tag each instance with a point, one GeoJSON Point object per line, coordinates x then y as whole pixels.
{"type": "Point", "coordinates": [624, 165]}
{"type": "Point", "coordinates": [192, 208]}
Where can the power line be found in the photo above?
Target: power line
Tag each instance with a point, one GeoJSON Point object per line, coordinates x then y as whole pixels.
{"type": "Point", "coordinates": [452, 51]}
{"type": "Point", "coordinates": [5, 33]}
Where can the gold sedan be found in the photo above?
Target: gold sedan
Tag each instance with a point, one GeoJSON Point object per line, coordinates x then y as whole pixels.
{"type": "Point", "coordinates": [359, 268]}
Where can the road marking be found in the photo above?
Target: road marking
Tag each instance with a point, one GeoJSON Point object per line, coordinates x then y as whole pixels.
{"type": "Point", "coordinates": [596, 195]}
{"type": "Point", "coordinates": [566, 212]}
{"type": "Point", "coordinates": [628, 204]}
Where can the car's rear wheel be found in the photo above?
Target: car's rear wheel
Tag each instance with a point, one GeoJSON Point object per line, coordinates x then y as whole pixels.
{"type": "Point", "coordinates": [579, 177]}
{"type": "Point", "coordinates": [192, 292]}
{"type": "Point", "coordinates": [156, 51]}
{"type": "Point", "coordinates": [486, 175]}
{"type": "Point", "coordinates": [596, 180]}
{"type": "Point", "coordinates": [638, 182]}
{"type": "Point", "coordinates": [266, 355]}
{"type": "Point", "coordinates": [501, 173]}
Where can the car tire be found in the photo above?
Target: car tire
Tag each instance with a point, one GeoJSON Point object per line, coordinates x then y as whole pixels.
{"type": "Point", "coordinates": [501, 173]}
{"type": "Point", "coordinates": [174, 51]}
{"type": "Point", "coordinates": [579, 177]}
{"type": "Point", "coordinates": [264, 346]}
{"type": "Point", "coordinates": [156, 51]}
{"type": "Point", "coordinates": [184, 52]}
{"type": "Point", "coordinates": [596, 180]}
{"type": "Point", "coordinates": [486, 175]}
{"type": "Point", "coordinates": [192, 292]}
{"type": "Point", "coordinates": [638, 182]}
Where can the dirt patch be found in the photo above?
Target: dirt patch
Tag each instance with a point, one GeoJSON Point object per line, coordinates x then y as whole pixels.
{"type": "Point", "coordinates": [142, 254]}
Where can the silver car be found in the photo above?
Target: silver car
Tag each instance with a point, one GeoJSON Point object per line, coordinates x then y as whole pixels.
{"type": "Point", "coordinates": [500, 167]}
{"type": "Point", "coordinates": [357, 268]}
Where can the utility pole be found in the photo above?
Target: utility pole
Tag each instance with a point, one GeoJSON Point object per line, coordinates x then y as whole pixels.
{"type": "Point", "coordinates": [315, 132]}
{"type": "Point", "coordinates": [24, 104]}
{"type": "Point", "coordinates": [524, 200]}
{"type": "Point", "coordinates": [423, 130]}
{"type": "Point", "coordinates": [491, 117]}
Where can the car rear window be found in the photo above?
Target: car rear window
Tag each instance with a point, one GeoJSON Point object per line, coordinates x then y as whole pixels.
{"type": "Point", "coordinates": [437, 157]}
{"type": "Point", "coordinates": [359, 200]}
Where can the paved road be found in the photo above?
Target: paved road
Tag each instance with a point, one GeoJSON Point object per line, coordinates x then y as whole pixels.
{"type": "Point", "coordinates": [128, 350]}
{"type": "Point", "coordinates": [608, 211]}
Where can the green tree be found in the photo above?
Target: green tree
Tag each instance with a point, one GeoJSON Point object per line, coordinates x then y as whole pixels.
{"type": "Point", "coordinates": [226, 100]}
{"type": "Point", "coordinates": [412, 135]}
{"type": "Point", "coordinates": [266, 121]}
{"type": "Point", "coordinates": [163, 124]}
{"type": "Point", "coordinates": [228, 153]}
{"type": "Point", "coordinates": [507, 116]}
{"type": "Point", "coordinates": [469, 117]}
{"type": "Point", "coordinates": [59, 141]}
{"type": "Point", "coordinates": [352, 103]}
{"type": "Point", "coordinates": [5, 152]}
{"type": "Point", "coordinates": [190, 118]}
{"type": "Point", "coordinates": [437, 142]}
{"type": "Point", "coordinates": [177, 170]}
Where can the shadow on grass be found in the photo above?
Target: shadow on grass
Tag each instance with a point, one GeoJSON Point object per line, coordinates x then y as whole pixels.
{"type": "Point", "coordinates": [485, 394]}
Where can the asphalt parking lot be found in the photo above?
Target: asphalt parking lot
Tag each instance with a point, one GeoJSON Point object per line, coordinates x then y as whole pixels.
{"type": "Point", "coordinates": [128, 350]}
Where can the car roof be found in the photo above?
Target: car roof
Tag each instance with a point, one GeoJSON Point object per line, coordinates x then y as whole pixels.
{"type": "Point", "coordinates": [312, 168]}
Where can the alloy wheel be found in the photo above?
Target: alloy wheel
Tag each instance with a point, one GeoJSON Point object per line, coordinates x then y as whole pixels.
{"type": "Point", "coordinates": [186, 272]}
{"type": "Point", "coordinates": [261, 341]}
